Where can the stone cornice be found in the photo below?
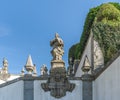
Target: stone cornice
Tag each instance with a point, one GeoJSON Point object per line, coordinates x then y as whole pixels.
{"type": "Point", "coordinates": [28, 78]}
{"type": "Point", "coordinates": [10, 82]}
{"type": "Point", "coordinates": [87, 77]}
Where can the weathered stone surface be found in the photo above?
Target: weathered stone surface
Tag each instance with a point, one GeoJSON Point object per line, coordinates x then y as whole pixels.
{"type": "Point", "coordinates": [57, 44]}
{"type": "Point", "coordinates": [57, 63]}
{"type": "Point", "coordinates": [43, 70]}
{"type": "Point", "coordinates": [87, 90]}
{"type": "Point", "coordinates": [58, 84]}
{"type": "Point", "coordinates": [28, 90]}
{"type": "Point", "coordinates": [87, 86]}
{"type": "Point", "coordinates": [86, 65]}
{"type": "Point", "coordinates": [29, 65]}
{"type": "Point", "coordinates": [4, 75]}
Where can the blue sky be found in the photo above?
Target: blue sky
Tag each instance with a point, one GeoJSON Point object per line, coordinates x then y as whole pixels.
{"type": "Point", "coordinates": [27, 26]}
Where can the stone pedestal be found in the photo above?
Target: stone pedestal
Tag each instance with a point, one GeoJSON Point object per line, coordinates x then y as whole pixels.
{"type": "Point", "coordinates": [57, 64]}
{"type": "Point", "coordinates": [87, 86]}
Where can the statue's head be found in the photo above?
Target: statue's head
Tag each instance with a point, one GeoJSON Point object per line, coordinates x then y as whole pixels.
{"type": "Point", "coordinates": [56, 35]}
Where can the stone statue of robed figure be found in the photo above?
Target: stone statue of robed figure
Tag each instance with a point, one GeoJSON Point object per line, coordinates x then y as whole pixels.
{"type": "Point", "coordinates": [57, 44]}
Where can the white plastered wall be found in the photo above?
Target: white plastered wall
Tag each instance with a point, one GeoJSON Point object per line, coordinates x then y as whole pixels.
{"type": "Point", "coordinates": [107, 85]}
{"type": "Point", "coordinates": [87, 52]}
{"type": "Point", "coordinates": [12, 91]}
{"type": "Point", "coordinates": [12, 77]}
{"type": "Point", "coordinates": [39, 93]}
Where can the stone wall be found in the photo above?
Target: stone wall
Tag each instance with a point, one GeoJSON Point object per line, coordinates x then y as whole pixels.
{"type": "Point", "coordinates": [107, 84]}
{"type": "Point", "coordinates": [29, 88]}
{"type": "Point", "coordinates": [12, 91]}
{"type": "Point", "coordinates": [39, 93]}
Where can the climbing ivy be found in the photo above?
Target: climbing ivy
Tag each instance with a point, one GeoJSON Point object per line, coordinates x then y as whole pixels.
{"type": "Point", "coordinates": [108, 38]}
{"type": "Point", "coordinates": [104, 21]}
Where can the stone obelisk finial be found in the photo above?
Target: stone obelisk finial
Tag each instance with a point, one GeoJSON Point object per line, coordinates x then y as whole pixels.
{"type": "Point", "coordinates": [29, 65]}
{"type": "Point", "coordinates": [57, 52]}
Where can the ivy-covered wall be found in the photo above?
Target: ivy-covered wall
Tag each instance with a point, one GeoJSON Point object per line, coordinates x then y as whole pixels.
{"type": "Point", "coordinates": [104, 22]}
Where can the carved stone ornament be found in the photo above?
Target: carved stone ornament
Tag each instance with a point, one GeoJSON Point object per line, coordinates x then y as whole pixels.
{"type": "Point", "coordinates": [58, 83]}
{"type": "Point", "coordinates": [43, 70]}
{"type": "Point", "coordinates": [4, 75]}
